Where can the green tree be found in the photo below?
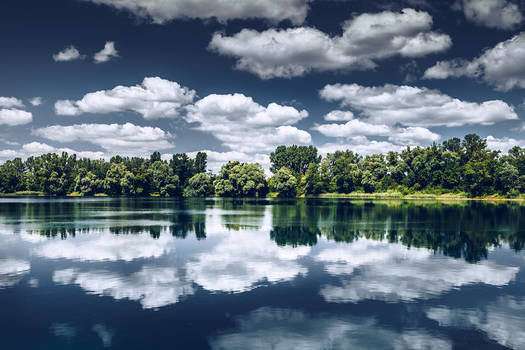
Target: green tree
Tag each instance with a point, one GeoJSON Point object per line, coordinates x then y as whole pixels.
{"type": "Point", "coordinates": [284, 182]}
{"type": "Point", "coordinates": [296, 158]}
{"type": "Point", "coordinates": [199, 185]}
{"type": "Point", "coordinates": [241, 180]}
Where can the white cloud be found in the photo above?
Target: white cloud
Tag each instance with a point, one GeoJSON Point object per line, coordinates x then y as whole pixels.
{"type": "Point", "coordinates": [339, 116]}
{"type": "Point", "coordinates": [10, 102]}
{"type": "Point", "coordinates": [415, 106]}
{"type": "Point", "coordinates": [501, 14]}
{"type": "Point", "coordinates": [357, 128]}
{"type": "Point", "coordinates": [38, 148]}
{"type": "Point", "coordinates": [360, 145]}
{"type": "Point", "coordinates": [502, 66]}
{"type": "Point", "coordinates": [70, 53]}
{"type": "Point", "coordinates": [365, 39]}
{"type": "Point", "coordinates": [392, 272]}
{"type": "Point", "coordinates": [352, 128]}
{"type": "Point", "coordinates": [271, 328]}
{"type": "Point", "coordinates": [152, 286]}
{"type": "Point", "coordinates": [12, 270]}
{"type": "Point", "coordinates": [14, 117]}
{"type": "Point", "coordinates": [235, 118]}
{"type": "Point", "coordinates": [114, 138]}
{"type": "Point", "coordinates": [36, 101]}
{"type": "Point", "coordinates": [503, 144]}
{"type": "Point", "coordinates": [161, 11]}
{"type": "Point", "coordinates": [107, 53]}
{"type": "Point", "coordinates": [502, 320]}
{"type": "Point", "coordinates": [413, 136]}
{"type": "Point", "coordinates": [154, 98]}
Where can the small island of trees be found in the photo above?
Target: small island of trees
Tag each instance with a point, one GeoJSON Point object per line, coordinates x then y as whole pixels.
{"type": "Point", "coordinates": [464, 167]}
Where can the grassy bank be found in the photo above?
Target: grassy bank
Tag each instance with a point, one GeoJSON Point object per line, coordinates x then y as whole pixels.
{"type": "Point", "coordinates": [417, 195]}
{"type": "Point", "coordinates": [353, 195]}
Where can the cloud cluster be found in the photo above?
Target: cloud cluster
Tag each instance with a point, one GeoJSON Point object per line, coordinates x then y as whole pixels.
{"type": "Point", "coordinates": [360, 145]}
{"type": "Point", "coordinates": [161, 11]}
{"type": "Point", "coordinates": [243, 125]}
{"type": "Point", "coordinates": [12, 113]}
{"type": "Point", "coordinates": [114, 138]}
{"type": "Point", "coordinates": [365, 39]}
{"type": "Point", "coordinates": [38, 148]}
{"type": "Point", "coordinates": [503, 144]}
{"type": "Point", "coordinates": [501, 14]}
{"type": "Point", "coordinates": [355, 128]}
{"type": "Point", "coordinates": [416, 106]}
{"type": "Point", "coordinates": [154, 98]}
{"type": "Point", "coordinates": [502, 66]}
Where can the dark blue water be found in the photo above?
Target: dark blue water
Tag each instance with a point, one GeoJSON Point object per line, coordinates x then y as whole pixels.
{"type": "Point", "coordinates": [267, 274]}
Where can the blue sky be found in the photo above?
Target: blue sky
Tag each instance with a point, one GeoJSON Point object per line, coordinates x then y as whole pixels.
{"type": "Point", "coordinates": [239, 78]}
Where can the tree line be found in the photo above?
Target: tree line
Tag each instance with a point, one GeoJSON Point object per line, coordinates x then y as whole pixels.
{"type": "Point", "coordinates": [454, 166]}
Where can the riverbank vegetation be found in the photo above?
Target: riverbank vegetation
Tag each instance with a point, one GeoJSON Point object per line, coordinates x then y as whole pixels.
{"type": "Point", "coordinates": [454, 169]}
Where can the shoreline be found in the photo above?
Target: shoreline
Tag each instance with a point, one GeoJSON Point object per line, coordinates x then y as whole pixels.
{"type": "Point", "coordinates": [371, 196]}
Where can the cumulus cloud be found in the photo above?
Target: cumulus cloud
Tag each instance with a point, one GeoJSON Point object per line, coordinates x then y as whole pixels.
{"type": "Point", "coordinates": [503, 144]}
{"type": "Point", "coordinates": [9, 102]}
{"type": "Point", "coordinates": [152, 286]}
{"type": "Point", "coordinates": [392, 272]}
{"type": "Point", "coordinates": [272, 328]}
{"type": "Point", "coordinates": [160, 11]}
{"type": "Point", "coordinates": [38, 148]}
{"type": "Point", "coordinates": [236, 118]}
{"type": "Point", "coordinates": [14, 117]}
{"type": "Point", "coordinates": [360, 145]}
{"type": "Point", "coordinates": [107, 53]}
{"type": "Point", "coordinates": [114, 138]}
{"type": "Point", "coordinates": [358, 128]}
{"type": "Point", "coordinates": [366, 38]}
{"type": "Point", "coordinates": [154, 98]}
{"type": "Point", "coordinates": [502, 66]}
{"type": "Point", "coordinates": [416, 106]}
{"type": "Point", "coordinates": [502, 320]}
{"type": "Point", "coordinates": [36, 101]}
{"type": "Point", "coordinates": [339, 116]}
{"type": "Point", "coordinates": [12, 271]}
{"type": "Point", "coordinates": [70, 53]}
{"type": "Point", "coordinates": [501, 14]}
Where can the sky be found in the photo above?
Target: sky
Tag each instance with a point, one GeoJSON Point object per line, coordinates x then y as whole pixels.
{"type": "Point", "coordinates": [238, 78]}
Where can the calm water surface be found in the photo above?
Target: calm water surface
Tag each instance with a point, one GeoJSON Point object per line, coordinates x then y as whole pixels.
{"type": "Point", "coordinates": [268, 274]}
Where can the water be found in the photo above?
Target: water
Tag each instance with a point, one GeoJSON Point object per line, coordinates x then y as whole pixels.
{"type": "Point", "coordinates": [266, 274]}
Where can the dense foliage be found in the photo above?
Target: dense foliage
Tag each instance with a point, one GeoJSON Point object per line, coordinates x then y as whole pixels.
{"type": "Point", "coordinates": [455, 166]}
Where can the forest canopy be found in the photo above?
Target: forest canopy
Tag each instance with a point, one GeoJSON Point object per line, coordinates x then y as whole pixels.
{"type": "Point", "coordinates": [456, 166]}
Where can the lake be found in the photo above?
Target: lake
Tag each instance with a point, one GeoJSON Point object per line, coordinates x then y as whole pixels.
{"type": "Point", "coordinates": [115, 273]}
